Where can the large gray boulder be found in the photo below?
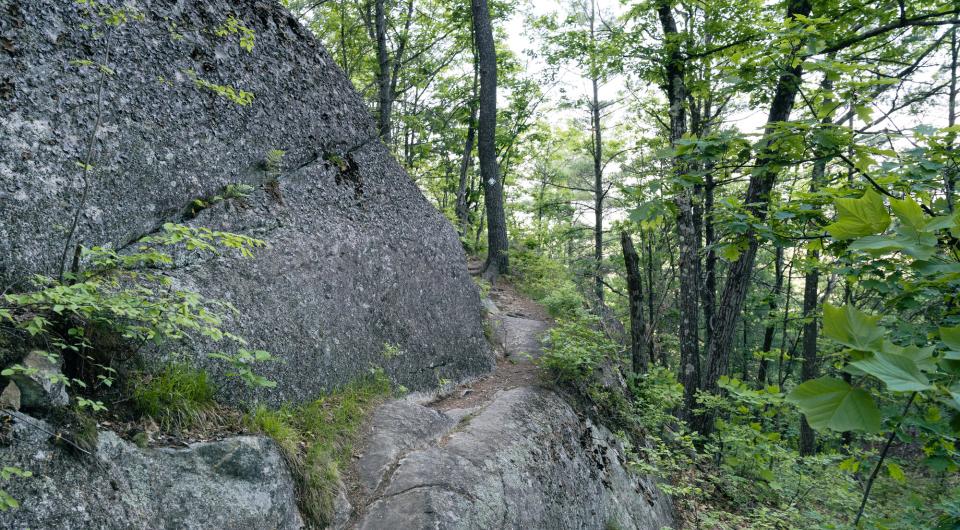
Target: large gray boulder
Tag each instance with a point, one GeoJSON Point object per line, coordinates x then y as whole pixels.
{"type": "Point", "coordinates": [239, 483]}
{"type": "Point", "coordinates": [523, 460]}
{"type": "Point", "coordinates": [357, 257]}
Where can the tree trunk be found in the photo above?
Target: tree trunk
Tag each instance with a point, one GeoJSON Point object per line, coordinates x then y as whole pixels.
{"type": "Point", "coordinates": [649, 332]}
{"type": "Point", "coordinates": [949, 174]}
{"type": "Point", "coordinates": [598, 196]}
{"type": "Point", "coordinates": [635, 292]}
{"type": "Point", "coordinates": [756, 200]}
{"type": "Point", "coordinates": [384, 97]}
{"type": "Point", "coordinates": [811, 285]}
{"type": "Point", "coordinates": [762, 379]}
{"type": "Point", "coordinates": [497, 258]}
{"type": "Point", "coordinates": [710, 261]}
{"type": "Point", "coordinates": [462, 210]}
{"type": "Point", "coordinates": [598, 192]}
{"type": "Point", "coordinates": [686, 217]}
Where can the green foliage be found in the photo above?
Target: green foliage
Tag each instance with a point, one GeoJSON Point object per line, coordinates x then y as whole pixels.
{"type": "Point", "coordinates": [546, 281]}
{"type": "Point", "coordinates": [239, 96]}
{"type": "Point", "coordinates": [234, 26]}
{"type": "Point", "coordinates": [126, 295]}
{"type": "Point", "coordinates": [6, 501]}
{"type": "Point", "coordinates": [177, 397]}
{"type": "Point", "coordinates": [483, 286]}
{"type": "Point", "coordinates": [391, 351]}
{"type": "Point", "coordinates": [831, 403]}
{"type": "Point", "coordinates": [242, 362]}
{"type": "Point", "coordinates": [112, 16]}
{"type": "Point", "coordinates": [575, 347]}
{"type": "Point", "coordinates": [859, 217]}
{"type": "Point", "coordinates": [318, 437]}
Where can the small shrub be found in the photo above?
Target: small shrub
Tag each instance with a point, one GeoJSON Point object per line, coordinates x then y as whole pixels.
{"type": "Point", "coordinates": [563, 300]}
{"type": "Point", "coordinates": [575, 348]}
{"type": "Point", "coordinates": [177, 397]}
{"type": "Point", "coordinates": [548, 282]}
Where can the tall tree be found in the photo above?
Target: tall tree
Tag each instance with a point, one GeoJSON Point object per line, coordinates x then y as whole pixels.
{"type": "Point", "coordinates": [498, 259]}
{"type": "Point", "coordinates": [675, 88]}
{"type": "Point", "coordinates": [462, 208]}
{"type": "Point", "coordinates": [638, 331]}
{"type": "Point", "coordinates": [757, 199]}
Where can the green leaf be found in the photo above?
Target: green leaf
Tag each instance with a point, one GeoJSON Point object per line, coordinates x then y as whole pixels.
{"type": "Point", "coordinates": [951, 337]}
{"type": "Point", "coordinates": [859, 217]}
{"type": "Point", "coordinates": [852, 328]}
{"type": "Point", "coordinates": [909, 213]}
{"type": "Point", "coordinates": [896, 472]}
{"type": "Point", "coordinates": [899, 373]}
{"type": "Point", "coordinates": [831, 403]}
{"type": "Point", "coordinates": [923, 357]}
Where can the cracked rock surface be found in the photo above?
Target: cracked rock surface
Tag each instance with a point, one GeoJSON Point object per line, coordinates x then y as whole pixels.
{"type": "Point", "coordinates": [240, 483]}
{"type": "Point", "coordinates": [357, 257]}
{"type": "Point", "coordinates": [504, 452]}
{"type": "Point", "coordinates": [523, 460]}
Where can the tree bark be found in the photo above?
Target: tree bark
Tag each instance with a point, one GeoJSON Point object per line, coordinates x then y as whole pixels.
{"type": "Point", "coordinates": [384, 97]}
{"type": "Point", "coordinates": [635, 293]}
{"type": "Point", "coordinates": [498, 260]}
{"type": "Point", "coordinates": [811, 285]}
{"type": "Point", "coordinates": [949, 173]}
{"type": "Point", "coordinates": [757, 200]}
{"type": "Point", "coordinates": [462, 209]}
{"type": "Point", "coordinates": [676, 91]}
{"type": "Point", "coordinates": [762, 378]}
{"type": "Point", "coordinates": [598, 191]}
{"type": "Point", "coordinates": [649, 332]}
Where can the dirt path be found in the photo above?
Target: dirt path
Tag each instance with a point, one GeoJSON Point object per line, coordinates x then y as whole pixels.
{"type": "Point", "coordinates": [518, 324]}
{"type": "Point", "coordinates": [402, 428]}
{"type": "Point", "coordinates": [501, 452]}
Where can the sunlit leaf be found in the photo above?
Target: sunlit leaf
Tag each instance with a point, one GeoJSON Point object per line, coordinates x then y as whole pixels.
{"type": "Point", "coordinates": [831, 403]}
{"type": "Point", "coordinates": [859, 217]}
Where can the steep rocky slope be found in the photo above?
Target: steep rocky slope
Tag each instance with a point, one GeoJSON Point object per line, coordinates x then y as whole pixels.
{"type": "Point", "coordinates": [357, 258]}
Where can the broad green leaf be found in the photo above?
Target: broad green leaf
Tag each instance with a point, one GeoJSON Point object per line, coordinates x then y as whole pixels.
{"type": "Point", "coordinates": [923, 357]}
{"type": "Point", "coordinates": [859, 217]}
{"type": "Point", "coordinates": [941, 222]}
{"type": "Point", "coordinates": [831, 403]}
{"type": "Point", "coordinates": [730, 252]}
{"type": "Point", "coordinates": [920, 245]}
{"type": "Point", "coordinates": [899, 373]}
{"type": "Point", "coordinates": [909, 213]}
{"type": "Point", "coordinates": [951, 337]}
{"type": "Point", "coordinates": [852, 328]}
{"type": "Point", "coordinates": [955, 393]}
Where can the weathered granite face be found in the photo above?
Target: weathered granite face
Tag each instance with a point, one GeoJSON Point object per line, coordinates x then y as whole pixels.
{"type": "Point", "coordinates": [357, 256]}
{"type": "Point", "coordinates": [239, 483]}
{"type": "Point", "coordinates": [524, 460]}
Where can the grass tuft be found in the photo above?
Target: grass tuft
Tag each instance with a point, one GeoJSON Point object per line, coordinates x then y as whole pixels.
{"type": "Point", "coordinates": [317, 439]}
{"type": "Point", "coordinates": [177, 397]}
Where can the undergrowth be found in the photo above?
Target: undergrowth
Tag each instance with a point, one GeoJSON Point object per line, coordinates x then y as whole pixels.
{"type": "Point", "coordinates": [546, 281]}
{"type": "Point", "coordinates": [748, 473]}
{"type": "Point", "coordinates": [177, 397]}
{"type": "Point", "coordinates": [317, 439]}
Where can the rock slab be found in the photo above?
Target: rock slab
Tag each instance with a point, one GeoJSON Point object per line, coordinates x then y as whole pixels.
{"type": "Point", "coordinates": [237, 483]}
{"type": "Point", "coordinates": [524, 460]}
{"type": "Point", "coordinates": [357, 257]}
